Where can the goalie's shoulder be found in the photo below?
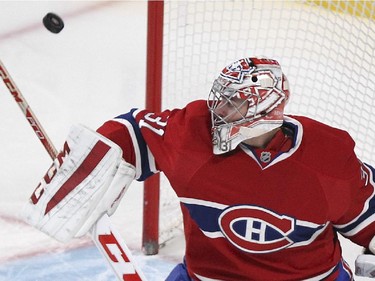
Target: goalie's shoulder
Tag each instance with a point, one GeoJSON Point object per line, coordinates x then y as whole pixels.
{"type": "Point", "coordinates": [192, 111]}
{"type": "Point", "coordinates": [321, 135]}
{"type": "Point", "coordinates": [327, 150]}
{"type": "Point", "coordinates": [187, 123]}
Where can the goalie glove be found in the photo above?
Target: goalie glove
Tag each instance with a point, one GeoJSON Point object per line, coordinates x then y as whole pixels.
{"type": "Point", "coordinates": [88, 178]}
{"type": "Point", "coordinates": [365, 264]}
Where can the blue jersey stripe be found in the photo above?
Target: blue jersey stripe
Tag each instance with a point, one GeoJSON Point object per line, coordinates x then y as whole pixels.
{"type": "Point", "coordinates": [143, 149]}
{"type": "Point", "coordinates": [370, 210]}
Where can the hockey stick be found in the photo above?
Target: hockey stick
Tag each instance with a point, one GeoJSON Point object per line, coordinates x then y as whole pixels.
{"type": "Point", "coordinates": [105, 237]}
{"type": "Point", "coordinates": [30, 116]}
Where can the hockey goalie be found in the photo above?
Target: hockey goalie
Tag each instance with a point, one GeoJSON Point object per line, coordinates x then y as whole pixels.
{"type": "Point", "coordinates": [263, 194]}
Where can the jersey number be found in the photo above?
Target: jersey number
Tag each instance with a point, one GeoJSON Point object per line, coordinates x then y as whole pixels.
{"type": "Point", "coordinates": [155, 124]}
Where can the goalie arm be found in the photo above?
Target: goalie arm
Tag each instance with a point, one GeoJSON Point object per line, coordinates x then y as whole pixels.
{"type": "Point", "coordinates": [125, 131]}
{"type": "Point", "coordinates": [360, 228]}
{"type": "Point", "coordinates": [89, 177]}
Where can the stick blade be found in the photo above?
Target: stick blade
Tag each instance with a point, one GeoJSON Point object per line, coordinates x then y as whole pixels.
{"type": "Point", "coordinates": [113, 248]}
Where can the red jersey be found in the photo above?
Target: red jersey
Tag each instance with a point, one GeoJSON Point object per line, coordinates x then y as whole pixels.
{"type": "Point", "coordinates": [255, 214]}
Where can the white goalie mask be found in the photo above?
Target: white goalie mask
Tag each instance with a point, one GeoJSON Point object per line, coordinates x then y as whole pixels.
{"type": "Point", "coordinates": [246, 100]}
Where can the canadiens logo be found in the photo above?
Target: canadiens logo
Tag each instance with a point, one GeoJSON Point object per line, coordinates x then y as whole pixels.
{"type": "Point", "coordinates": [237, 70]}
{"type": "Point", "coordinates": [251, 228]}
{"type": "Point", "coordinates": [256, 230]}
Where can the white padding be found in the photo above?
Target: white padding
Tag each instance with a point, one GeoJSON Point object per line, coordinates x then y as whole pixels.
{"type": "Point", "coordinates": [365, 266]}
{"type": "Point", "coordinates": [78, 187]}
{"type": "Point", "coordinates": [111, 199]}
{"type": "Point", "coordinates": [371, 246]}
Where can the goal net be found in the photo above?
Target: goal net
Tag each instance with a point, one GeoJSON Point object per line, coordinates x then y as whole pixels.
{"type": "Point", "coordinates": [324, 47]}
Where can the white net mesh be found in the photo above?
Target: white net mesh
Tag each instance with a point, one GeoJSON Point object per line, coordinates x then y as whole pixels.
{"type": "Point", "coordinates": [324, 47]}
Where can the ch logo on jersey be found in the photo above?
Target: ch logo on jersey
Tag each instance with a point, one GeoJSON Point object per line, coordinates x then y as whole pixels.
{"type": "Point", "coordinates": [256, 230]}
{"type": "Point", "coordinates": [252, 228]}
{"type": "Point", "coordinates": [237, 70]}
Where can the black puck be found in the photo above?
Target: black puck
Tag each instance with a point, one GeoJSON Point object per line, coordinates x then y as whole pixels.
{"type": "Point", "coordinates": [53, 23]}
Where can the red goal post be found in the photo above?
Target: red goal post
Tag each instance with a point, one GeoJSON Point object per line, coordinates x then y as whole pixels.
{"type": "Point", "coordinates": [151, 194]}
{"type": "Point", "coordinates": [324, 47]}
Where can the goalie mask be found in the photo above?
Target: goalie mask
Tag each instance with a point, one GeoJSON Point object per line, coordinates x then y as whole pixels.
{"type": "Point", "coordinates": [246, 100]}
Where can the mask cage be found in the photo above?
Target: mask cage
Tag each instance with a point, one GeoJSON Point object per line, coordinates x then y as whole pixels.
{"type": "Point", "coordinates": [221, 95]}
